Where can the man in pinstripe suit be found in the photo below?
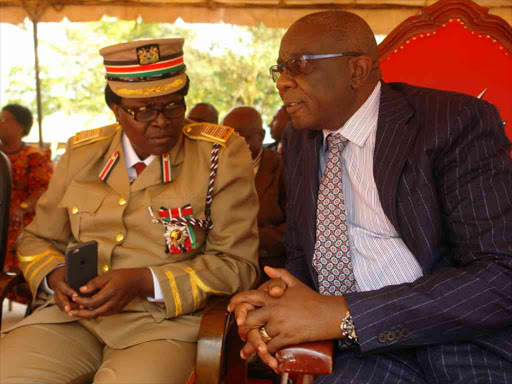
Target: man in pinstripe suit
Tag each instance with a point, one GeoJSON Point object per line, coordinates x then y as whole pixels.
{"type": "Point", "coordinates": [427, 182]}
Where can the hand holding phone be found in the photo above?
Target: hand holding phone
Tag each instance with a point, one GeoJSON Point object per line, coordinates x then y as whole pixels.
{"type": "Point", "coordinates": [82, 265]}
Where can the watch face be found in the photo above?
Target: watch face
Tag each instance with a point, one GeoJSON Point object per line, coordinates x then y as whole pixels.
{"type": "Point", "coordinates": [348, 331]}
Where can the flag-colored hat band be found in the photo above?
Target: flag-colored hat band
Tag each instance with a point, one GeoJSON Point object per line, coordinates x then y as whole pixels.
{"type": "Point", "coordinates": [130, 71]}
{"type": "Point", "coordinates": [145, 68]}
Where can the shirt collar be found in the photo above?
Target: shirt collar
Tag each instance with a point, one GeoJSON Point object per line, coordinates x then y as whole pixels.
{"type": "Point", "coordinates": [130, 156]}
{"type": "Point", "coordinates": [362, 123]}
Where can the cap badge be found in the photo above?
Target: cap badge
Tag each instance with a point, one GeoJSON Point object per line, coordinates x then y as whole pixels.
{"type": "Point", "coordinates": [148, 54]}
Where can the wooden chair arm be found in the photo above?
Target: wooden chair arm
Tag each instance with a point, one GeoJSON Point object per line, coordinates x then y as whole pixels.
{"type": "Point", "coordinates": [218, 351]}
{"type": "Point", "coordinates": [309, 358]}
{"type": "Point", "coordinates": [7, 283]}
{"type": "Point", "coordinates": [218, 348]}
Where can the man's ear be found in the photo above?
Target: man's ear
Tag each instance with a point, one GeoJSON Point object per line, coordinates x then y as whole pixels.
{"type": "Point", "coordinates": [361, 67]}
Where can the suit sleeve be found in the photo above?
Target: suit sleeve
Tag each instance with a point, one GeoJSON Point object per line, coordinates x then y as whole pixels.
{"type": "Point", "coordinates": [229, 262]}
{"type": "Point", "coordinates": [469, 293]}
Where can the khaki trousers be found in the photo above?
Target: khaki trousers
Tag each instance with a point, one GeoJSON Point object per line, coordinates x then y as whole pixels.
{"type": "Point", "coordinates": [70, 354]}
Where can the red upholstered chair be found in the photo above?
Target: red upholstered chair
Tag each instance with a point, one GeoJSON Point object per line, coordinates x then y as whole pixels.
{"type": "Point", "coordinates": [454, 45]}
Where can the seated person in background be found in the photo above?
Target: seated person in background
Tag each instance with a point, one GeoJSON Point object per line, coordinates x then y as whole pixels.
{"type": "Point", "coordinates": [203, 113]}
{"type": "Point", "coordinates": [167, 241]}
{"type": "Point", "coordinates": [267, 166]}
{"type": "Point", "coordinates": [279, 122]}
{"type": "Point", "coordinates": [399, 220]}
{"type": "Point", "coordinates": [31, 169]}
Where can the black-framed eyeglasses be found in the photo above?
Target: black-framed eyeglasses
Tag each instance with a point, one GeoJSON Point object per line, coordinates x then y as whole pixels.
{"type": "Point", "coordinates": [301, 65]}
{"type": "Point", "coordinates": [148, 114]}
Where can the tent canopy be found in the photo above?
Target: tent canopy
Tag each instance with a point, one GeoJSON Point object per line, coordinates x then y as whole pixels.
{"type": "Point", "coordinates": [382, 15]}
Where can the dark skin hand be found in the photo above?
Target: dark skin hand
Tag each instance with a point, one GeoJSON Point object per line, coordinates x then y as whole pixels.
{"type": "Point", "coordinates": [115, 290]}
{"type": "Point", "coordinates": [291, 312]}
{"type": "Point", "coordinates": [63, 292]}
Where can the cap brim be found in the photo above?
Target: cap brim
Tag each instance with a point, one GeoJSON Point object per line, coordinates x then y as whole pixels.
{"type": "Point", "coordinates": [145, 89]}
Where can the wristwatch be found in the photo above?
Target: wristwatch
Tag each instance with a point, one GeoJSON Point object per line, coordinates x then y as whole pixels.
{"type": "Point", "coordinates": [348, 332]}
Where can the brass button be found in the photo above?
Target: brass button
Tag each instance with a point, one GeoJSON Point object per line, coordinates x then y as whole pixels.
{"type": "Point", "coordinates": [382, 338]}
{"type": "Point", "coordinates": [122, 201]}
{"type": "Point", "coordinates": [74, 210]}
{"type": "Point", "coordinates": [119, 237]}
{"type": "Point", "coordinates": [105, 268]}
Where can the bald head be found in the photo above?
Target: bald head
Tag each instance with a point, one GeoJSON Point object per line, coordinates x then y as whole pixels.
{"type": "Point", "coordinates": [203, 113]}
{"type": "Point", "coordinates": [247, 122]}
{"type": "Point", "coordinates": [343, 31]}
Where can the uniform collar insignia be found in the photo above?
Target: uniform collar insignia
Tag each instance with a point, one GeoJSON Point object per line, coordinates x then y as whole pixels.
{"type": "Point", "coordinates": [105, 172]}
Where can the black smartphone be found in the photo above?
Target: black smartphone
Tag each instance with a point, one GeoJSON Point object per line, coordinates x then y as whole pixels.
{"type": "Point", "coordinates": [82, 265]}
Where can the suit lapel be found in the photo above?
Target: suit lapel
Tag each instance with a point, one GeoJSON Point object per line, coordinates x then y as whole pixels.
{"type": "Point", "coordinates": [314, 141]}
{"type": "Point", "coordinates": [312, 145]}
{"type": "Point", "coordinates": [396, 131]}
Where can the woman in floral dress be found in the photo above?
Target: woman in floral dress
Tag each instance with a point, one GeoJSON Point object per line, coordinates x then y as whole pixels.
{"type": "Point", "coordinates": [31, 172]}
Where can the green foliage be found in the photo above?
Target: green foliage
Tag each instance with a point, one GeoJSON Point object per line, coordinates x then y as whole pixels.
{"type": "Point", "coordinates": [72, 74]}
{"type": "Point", "coordinates": [232, 78]}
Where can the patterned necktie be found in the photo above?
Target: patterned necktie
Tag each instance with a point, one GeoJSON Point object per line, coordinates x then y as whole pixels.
{"type": "Point", "coordinates": [332, 258]}
{"type": "Point", "coordinates": [139, 167]}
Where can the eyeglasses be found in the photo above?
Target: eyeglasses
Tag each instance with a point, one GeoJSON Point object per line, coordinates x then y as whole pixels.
{"type": "Point", "coordinates": [302, 64]}
{"type": "Point", "coordinates": [148, 114]}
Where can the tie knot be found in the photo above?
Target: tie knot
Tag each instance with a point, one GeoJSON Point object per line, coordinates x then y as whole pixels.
{"type": "Point", "coordinates": [139, 167]}
{"type": "Point", "coordinates": [336, 141]}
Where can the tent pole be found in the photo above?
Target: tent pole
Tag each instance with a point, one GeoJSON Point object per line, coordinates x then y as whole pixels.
{"type": "Point", "coordinates": [38, 84]}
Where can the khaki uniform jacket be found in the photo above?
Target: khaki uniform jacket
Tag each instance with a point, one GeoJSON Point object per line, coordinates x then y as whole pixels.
{"type": "Point", "coordinates": [80, 207]}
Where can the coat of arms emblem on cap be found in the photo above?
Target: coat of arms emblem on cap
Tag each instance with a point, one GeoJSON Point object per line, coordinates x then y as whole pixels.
{"type": "Point", "coordinates": [148, 54]}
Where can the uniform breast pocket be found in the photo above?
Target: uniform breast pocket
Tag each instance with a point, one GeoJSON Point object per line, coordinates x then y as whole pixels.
{"type": "Point", "coordinates": [82, 205]}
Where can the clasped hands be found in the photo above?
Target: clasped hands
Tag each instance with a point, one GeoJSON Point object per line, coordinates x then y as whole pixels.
{"type": "Point", "coordinates": [116, 289]}
{"type": "Point", "coordinates": [290, 312]}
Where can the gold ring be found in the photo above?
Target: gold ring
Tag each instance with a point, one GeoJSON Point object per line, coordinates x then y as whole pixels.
{"type": "Point", "coordinates": [264, 335]}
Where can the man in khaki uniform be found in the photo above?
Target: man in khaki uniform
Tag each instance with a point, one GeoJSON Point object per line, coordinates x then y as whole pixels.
{"type": "Point", "coordinates": [173, 209]}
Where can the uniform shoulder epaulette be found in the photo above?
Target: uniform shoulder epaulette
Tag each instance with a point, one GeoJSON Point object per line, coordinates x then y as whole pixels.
{"type": "Point", "coordinates": [208, 132]}
{"type": "Point", "coordinates": [93, 135]}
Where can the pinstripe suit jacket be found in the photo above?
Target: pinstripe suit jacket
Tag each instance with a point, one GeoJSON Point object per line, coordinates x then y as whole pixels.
{"type": "Point", "coordinates": [444, 177]}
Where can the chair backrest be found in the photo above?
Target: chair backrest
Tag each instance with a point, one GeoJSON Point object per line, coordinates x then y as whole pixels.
{"type": "Point", "coordinates": [5, 202]}
{"type": "Point", "coordinates": [454, 45]}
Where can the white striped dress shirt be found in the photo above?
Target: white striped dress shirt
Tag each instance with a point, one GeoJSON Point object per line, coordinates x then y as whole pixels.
{"type": "Point", "coordinates": [379, 255]}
